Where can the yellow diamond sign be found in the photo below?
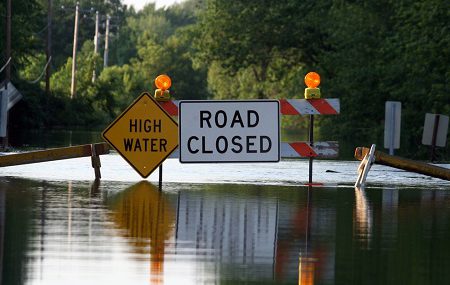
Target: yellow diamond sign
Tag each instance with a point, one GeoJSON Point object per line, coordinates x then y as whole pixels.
{"type": "Point", "coordinates": [144, 135]}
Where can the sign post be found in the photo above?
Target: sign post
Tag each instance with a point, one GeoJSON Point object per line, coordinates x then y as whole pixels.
{"type": "Point", "coordinates": [229, 131]}
{"type": "Point", "coordinates": [144, 134]}
{"type": "Point", "coordinates": [3, 113]}
{"type": "Point", "coordinates": [9, 96]}
{"type": "Point", "coordinates": [392, 122]}
{"type": "Point", "coordinates": [312, 92]}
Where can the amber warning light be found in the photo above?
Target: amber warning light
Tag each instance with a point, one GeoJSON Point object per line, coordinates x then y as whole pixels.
{"type": "Point", "coordinates": [312, 80]}
{"type": "Point", "coordinates": [163, 83]}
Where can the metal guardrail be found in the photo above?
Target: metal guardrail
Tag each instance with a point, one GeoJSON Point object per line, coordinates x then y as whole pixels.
{"type": "Point", "coordinates": [404, 163]}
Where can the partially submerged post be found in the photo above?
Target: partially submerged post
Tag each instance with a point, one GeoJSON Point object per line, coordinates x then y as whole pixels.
{"type": "Point", "coordinates": [405, 164]}
{"type": "Point", "coordinates": [95, 160]}
{"type": "Point", "coordinates": [92, 150]}
{"type": "Point", "coordinates": [364, 167]}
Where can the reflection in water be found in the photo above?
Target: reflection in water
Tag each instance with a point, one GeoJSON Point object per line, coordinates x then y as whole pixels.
{"type": "Point", "coordinates": [235, 227]}
{"type": "Point", "coordinates": [390, 201]}
{"type": "Point", "coordinates": [15, 212]}
{"type": "Point", "coordinates": [69, 214]}
{"type": "Point", "coordinates": [306, 271]}
{"type": "Point", "coordinates": [363, 217]}
{"type": "Point", "coordinates": [148, 219]}
{"type": "Point", "coordinates": [2, 230]}
{"type": "Point", "coordinates": [55, 233]}
{"type": "Point", "coordinates": [307, 260]}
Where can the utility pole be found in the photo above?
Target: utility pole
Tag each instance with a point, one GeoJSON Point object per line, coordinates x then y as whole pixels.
{"type": "Point", "coordinates": [96, 42]}
{"type": "Point", "coordinates": [49, 47]}
{"type": "Point", "coordinates": [105, 57]}
{"type": "Point", "coordinates": [8, 41]}
{"type": "Point", "coordinates": [4, 139]}
{"type": "Point", "coordinates": [73, 87]}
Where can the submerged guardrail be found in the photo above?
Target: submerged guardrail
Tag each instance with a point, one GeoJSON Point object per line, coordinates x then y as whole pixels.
{"type": "Point", "coordinates": [404, 163]}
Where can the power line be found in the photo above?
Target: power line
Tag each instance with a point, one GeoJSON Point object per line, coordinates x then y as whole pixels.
{"type": "Point", "coordinates": [41, 30]}
{"type": "Point", "coordinates": [42, 73]}
{"type": "Point", "coordinates": [6, 64]}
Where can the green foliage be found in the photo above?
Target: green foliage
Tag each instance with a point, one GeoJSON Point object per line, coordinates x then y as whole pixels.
{"type": "Point", "coordinates": [162, 47]}
{"type": "Point", "coordinates": [26, 26]}
{"type": "Point", "coordinates": [262, 37]}
{"type": "Point", "coordinates": [386, 50]}
{"type": "Point", "coordinates": [87, 61]}
{"type": "Point", "coordinates": [367, 52]}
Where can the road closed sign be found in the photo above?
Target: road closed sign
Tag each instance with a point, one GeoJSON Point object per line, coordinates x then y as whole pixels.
{"type": "Point", "coordinates": [229, 131]}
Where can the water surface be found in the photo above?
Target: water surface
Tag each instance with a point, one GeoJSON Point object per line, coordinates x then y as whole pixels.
{"type": "Point", "coordinates": [78, 232]}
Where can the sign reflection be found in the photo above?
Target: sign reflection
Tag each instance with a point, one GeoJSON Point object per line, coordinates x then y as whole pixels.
{"type": "Point", "coordinates": [147, 218]}
{"type": "Point", "coordinates": [363, 217]}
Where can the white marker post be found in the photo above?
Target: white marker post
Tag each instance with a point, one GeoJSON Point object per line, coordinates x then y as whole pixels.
{"type": "Point", "coordinates": [364, 167]}
{"type": "Point", "coordinates": [392, 123]}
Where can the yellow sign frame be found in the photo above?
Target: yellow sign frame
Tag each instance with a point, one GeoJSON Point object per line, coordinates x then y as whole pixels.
{"type": "Point", "coordinates": [144, 134]}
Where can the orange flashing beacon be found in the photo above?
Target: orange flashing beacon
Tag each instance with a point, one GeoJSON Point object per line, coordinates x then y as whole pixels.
{"type": "Point", "coordinates": [163, 83]}
{"type": "Point", "coordinates": [312, 81]}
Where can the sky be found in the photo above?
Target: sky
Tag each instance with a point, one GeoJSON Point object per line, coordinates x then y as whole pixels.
{"type": "Point", "coordinates": [138, 4]}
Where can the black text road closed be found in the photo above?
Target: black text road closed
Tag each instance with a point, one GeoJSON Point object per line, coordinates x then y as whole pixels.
{"type": "Point", "coordinates": [229, 131]}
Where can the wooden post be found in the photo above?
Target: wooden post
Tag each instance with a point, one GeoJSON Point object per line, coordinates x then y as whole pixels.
{"type": "Point", "coordinates": [8, 41]}
{"type": "Point", "coordinates": [405, 164]}
{"type": "Point", "coordinates": [5, 142]}
{"type": "Point", "coordinates": [96, 43]}
{"type": "Point", "coordinates": [105, 53]}
{"type": "Point", "coordinates": [95, 188]}
{"type": "Point", "coordinates": [73, 86]}
{"type": "Point", "coordinates": [95, 159]}
{"type": "Point", "coordinates": [48, 50]}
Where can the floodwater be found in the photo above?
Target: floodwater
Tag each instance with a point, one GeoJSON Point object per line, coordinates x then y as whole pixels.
{"type": "Point", "coordinates": [222, 224]}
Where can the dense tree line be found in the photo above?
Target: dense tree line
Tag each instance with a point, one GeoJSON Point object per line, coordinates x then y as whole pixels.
{"type": "Point", "coordinates": [367, 52]}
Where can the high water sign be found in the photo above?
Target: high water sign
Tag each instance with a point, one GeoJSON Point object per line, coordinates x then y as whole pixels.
{"type": "Point", "coordinates": [229, 131]}
{"type": "Point", "coordinates": [144, 135]}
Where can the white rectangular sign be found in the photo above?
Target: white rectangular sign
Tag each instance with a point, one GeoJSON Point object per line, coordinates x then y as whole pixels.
{"type": "Point", "coordinates": [441, 131]}
{"type": "Point", "coordinates": [392, 123]}
{"type": "Point", "coordinates": [229, 131]}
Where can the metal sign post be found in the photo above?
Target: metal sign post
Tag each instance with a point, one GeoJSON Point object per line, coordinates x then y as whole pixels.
{"type": "Point", "coordinates": [311, 144]}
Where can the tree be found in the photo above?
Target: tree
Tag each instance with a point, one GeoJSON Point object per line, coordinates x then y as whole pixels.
{"type": "Point", "coordinates": [164, 47]}
{"type": "Point", "coordinates": [26, 26]}
{"type": "Point", "coordinates": [257, 35]}
{"type": "Point", "coordinates": [386, 50]}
